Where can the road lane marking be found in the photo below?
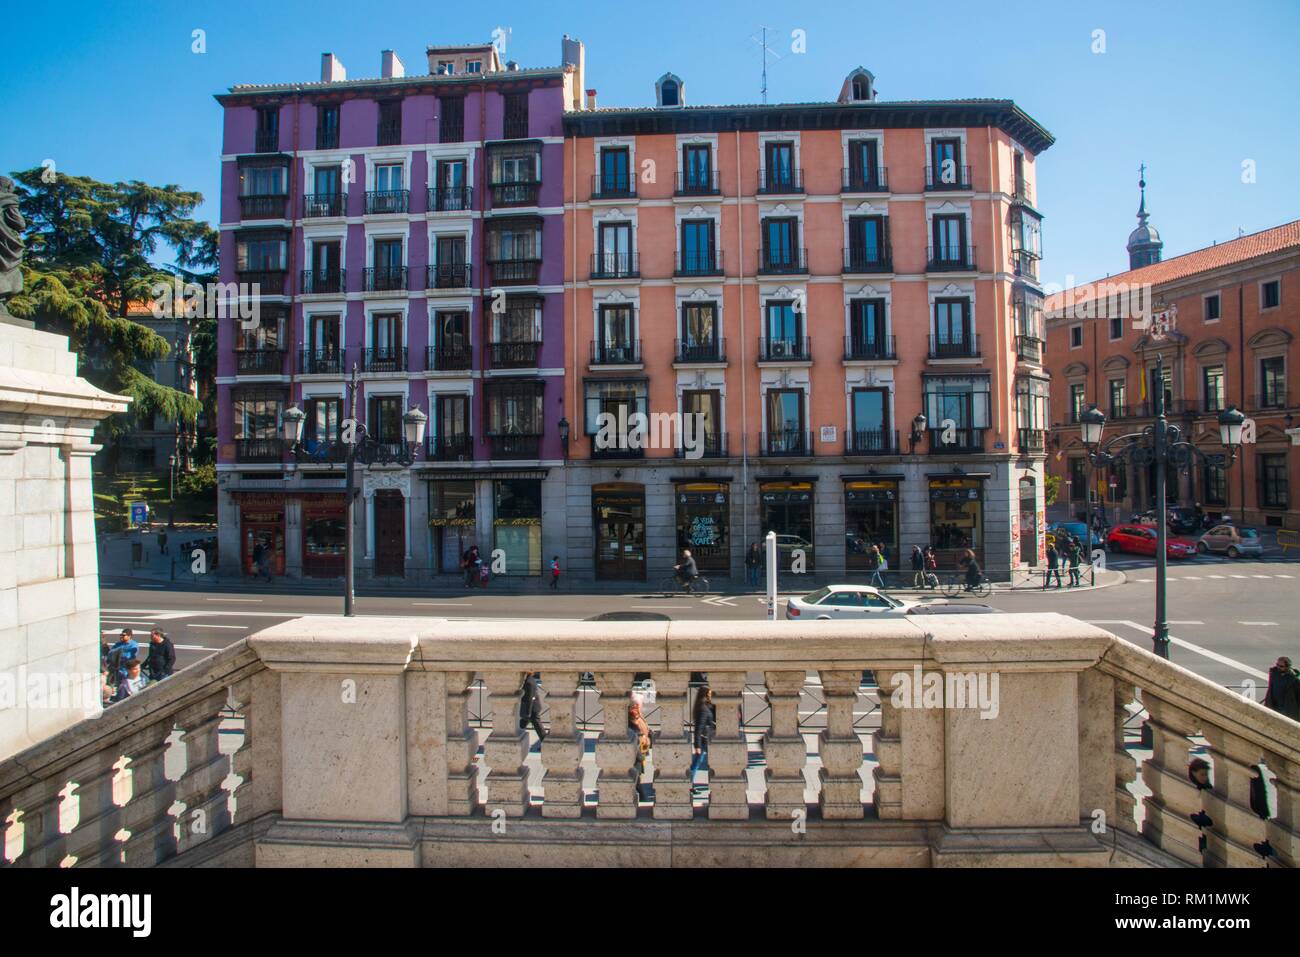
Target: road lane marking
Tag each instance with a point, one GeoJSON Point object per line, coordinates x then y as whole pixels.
{"type": "Point", "coordinates": [197, 625]}
{"type": "Point", "coordinates": [195, 648]}
{"type": "Point", "coordinates": [1238, 576]}
{"type": "Point", "coordinates": [1260, 624]}
{"type": "Point", "coordinates": [1214, 576]}
{"type": "Point", "coordinates": [1212, 655]}
{"type": "Point", "coordinates": [1284, 576]}
{"type": "Point", "coordinates": [1261, 576]}
{"type": "Point", "coordinates": [450, 604]}
{"type": "Point", "coordinates": [1186, 622]}
{"type": "Point", "coordinates": [235, 599]}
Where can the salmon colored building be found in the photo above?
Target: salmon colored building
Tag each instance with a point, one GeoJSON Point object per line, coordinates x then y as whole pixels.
{"type": "Point", "coordinates": [1235, 310]}
{"type": "Point", "coordinates": [843, 296]}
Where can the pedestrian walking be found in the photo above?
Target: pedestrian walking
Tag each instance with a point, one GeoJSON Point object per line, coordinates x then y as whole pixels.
{"type": "Point", "coordinates": [918, 567]}
{"type": "Point", "coordinates": [161, 659]}
{"type": "Point", "coordinates": [1072, 559]}
{"type": "Point", "coordinates": [931, 568]}
{"type": "Point", "coordinates": [753, 564]}
{"type": "Point", "coordinates": [123, 652]}
{"type": "Point", "coordinates": [1053, 566]}
{"type": "Point", "coordinates": [470, 562]}
{"type": "Point", "coordinates": [1283, 694]}
{"type": "Point", "coordinates": [874, 561]}
{"type": "Point", "coordinates": [530, 706]}
{"type": "Point", "coordinates": [162, 543]}
{"type": "Point", "coordinates": [636, 725]}
{"type": "Point", "coordinates": [133, 682]}
{"type": "Point", "coordinates": [704, 719]}
{"type": "Point", "coordinates": [555, 573]}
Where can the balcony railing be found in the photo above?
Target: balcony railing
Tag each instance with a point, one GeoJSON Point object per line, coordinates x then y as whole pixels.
{"type": "Point", "coordinates": [1025, 263]}
{"type": "Point", "coordinates": [259, 361]}
{"type": "Point", "coordinates": [514, 445]}
{"type": "Point", "coordinates": [779, 262]}
{"type": "Point", "coordinates": [457, 447]}
{"type": "Point", "coordinates": [615, 354]}
{"type": "Point", "coordinates": [322, 451]}
{"type": "Point", "coordinates": [447, 199]}
{"type": "Point", "coordinates": [1032, 440]}
{"type": "Point", "coordinates": [1029, 348]}
{"type": "Point", "coordinates": [384, 359]}
{"type": "Point", "coordinates": [267, 141]}
{"type": "Point", "coordinates": [697, 184]}
{"type": "Point", "coordinates": [1021, 192]}
{"type": "Point", "coordinates": [1271, 399]}
{"type": "Point", "coordinates": [871, 442]}
{"type": "Point", "coordinates": [949, 258]}
{"type": "Point", "coordinates": [515, 127]}
{"type": "Point", "coordinates": [947, 178]}
{"type": "Point", "coordinates": [945, 348]}
{"type": "Point", "coordinates": [707, 445]}
{"type": "Point", "coordinates": [327, 138]}
{"type": "Point", "coordinates": [521, 193]}
{"type": "Point", "coordinates": [786, 442]}
{"type": "Point", "coordinates": [258, 450]}
{"type": "Point", "coordinates": [322, 361]}
{"type": "Point", "coordinates": [864, 181]}
{"type": "Point", "coordinates": [318, 281]}
{"type": "Point", "coordinates": [707, 262]}
{"type": "Point", "coordinates": [320, 205]}
{"type": "Point", "coordinates": [270, 206]}
{"type": "Point", "coordinates": [617, 186]}
{"type": "Point", "coordinates": [447, 276]}
{"type": "Point", "coordinates": [516, 272]}
{"type": "Point", "coordinates": [780, 181]}
{"type": "Point", "coordinates": [448, 357]}
{"type": "Point", "coordinates": [620, 448]}
{"type": "Point", "coordinates": [614, 266]}
{"type": "Point", "coordinates": [382, 201]}
{"type": "Point", "coordinates": [688, 351]}
{"type": "Point", "coordinates": [881, 347]}
{"type": "Point", "coordinates": [389, 134]}
{"type": "Point", "coordinates": [269, 282]}
{"type": "Point", "coordinates": [868, 259]}
{"type": "Point", "coordinates": [1115, 411]}
{"type": "Point", "coordinates": [959, 442]}
{"type": "Point", "coordinates": [385, 278]}
{"type": "Point", "coordinates": [796, 349]}
{"type": "Point", "coordinates": [514, 355]}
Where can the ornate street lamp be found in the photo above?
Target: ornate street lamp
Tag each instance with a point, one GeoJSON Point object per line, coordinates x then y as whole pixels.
{"type": "Point", "coordinates": [1092, 423]}
{"type": "Point", "coordinates": [563, 426]}
{"type": "Point", "coordinates": [918, 431]}
{"type": "Point", "coordinates": [1160, 444]}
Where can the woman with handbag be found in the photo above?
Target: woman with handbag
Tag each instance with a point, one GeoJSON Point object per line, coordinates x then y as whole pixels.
{"type": "Point", "coordinates": [704, 719]}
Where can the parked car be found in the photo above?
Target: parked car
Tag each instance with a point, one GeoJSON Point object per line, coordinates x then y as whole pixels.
{"type": "Point", "coordinates": [1141, 540]}
{"type": "Point", "coordinates": [1063, 530]}
{"type": "Point", "coordinates": [1180, 519]}
{"type": "Point", "coordinates": [1231, 540]}
{"type": "Point", "coordinates": [852, 602]}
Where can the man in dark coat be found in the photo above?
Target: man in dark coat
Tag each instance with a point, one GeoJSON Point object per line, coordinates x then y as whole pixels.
{"type": "Point", "coordinates": [1283, 694]}
{"type": "Point", "coordinates": [161, 661]}
{"type": "Point", "coordinates": [530, 706]}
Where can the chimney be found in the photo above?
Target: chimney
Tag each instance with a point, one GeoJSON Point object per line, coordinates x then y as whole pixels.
{"type": "Point", "coordinates": [591, 99]}
{"type": "Point", "coordinates": [391, 65]}
{"type": "Point", "coordinates": [572, 53]}
{"type": "Point", "coordinates": [331, 69]}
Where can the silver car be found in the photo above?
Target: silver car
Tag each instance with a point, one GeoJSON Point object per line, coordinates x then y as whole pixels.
{"type": "Point", "coordinates": [1233, 541]}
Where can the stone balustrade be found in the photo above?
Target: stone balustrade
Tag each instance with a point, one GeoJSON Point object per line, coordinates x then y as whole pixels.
{"type": "Point", "coordinates": [968, 740]}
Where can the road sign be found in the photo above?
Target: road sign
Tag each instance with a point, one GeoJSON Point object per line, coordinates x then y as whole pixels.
{"type": "Point", "coordinates": [139, 512]}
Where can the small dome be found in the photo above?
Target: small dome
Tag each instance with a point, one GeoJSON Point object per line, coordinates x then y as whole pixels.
{"type": "Point", "coordinates": [1143, 235]}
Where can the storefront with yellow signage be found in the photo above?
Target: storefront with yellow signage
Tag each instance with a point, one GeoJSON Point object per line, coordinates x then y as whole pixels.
{"type": "Point", "coordinates": [870, 518]}
{"type": "Point", "coordinates": [786, 507]}
{"type": "Point", "coordinates": [956, 517]}
{"type": "Point", "coordinates": [704, 523]}
{"type": "Point", "coordinates": [453, 526]}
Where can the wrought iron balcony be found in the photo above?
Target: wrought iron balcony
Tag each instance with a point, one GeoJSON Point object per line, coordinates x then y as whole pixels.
{"type": "Point", "coordinates": [384, 359]}
{"type": "Point", "coordinates": [880, 347]}
{"type": "Point", "coordinates": [1029, 348]}
{"type": "Point", "coordinates": [318, 281]}
{"type": "Point", "coordinates": [780, 181]}
{"type": "Point", "coordinates": [327, 138]}
{"type": "Point", "coordinates": [457, 447]}
{"type": "Point", "coordinates": [322, 361]}
{"type": "Point", "coordinates": [796, 349]}
{"type": "Point", "coordinates": [269, 282]}
{"type": "Point", "coordinates": [864, 181]}
{"type": "Point", "coordinates": [614, 266]}
{"type": "Point", "coordinates": [448, 357]}
{"type": "Point", "coordinates": [514, 355]}
{"type": "Point", "coordinates": [616, 354]}
{"type": "Point", "coordinates": [961, 442]}
{"type": "Point", "coordinates": [258, 450]}
{"type": "Point", "coordinates": [950, 258]}
{"type": "Point", "coordinates": [385, 278]}
{"type": "Point", "coordinates": [1274, 398]}
{"type": "Point", "coordinates": [445, 199]}
{"type": "Point", "coordinates": [618, 186]}
{"type": "Point", "coordinates": [517, 272]}
{"type": "Point", "coordinates": [707, 445]}
{"type": "Point", "coordinates": [517, 193]}
{"type": "Point", "coordinates": [942, 347]}
{"type": "Point", "coordinates": [786, 442]}
{"type": "Point", "coordinates": [269, 206]}
{"type": "Point", "coordinates": [1022, 192]}
{"type": "Point", "coordinates": [267, 141]}
{"type": "Point", "coordinates": [707, 262]}
{"type": "Point", "coordinates": [259, 361]}
{"type": "Point", "coordinates": [620, 449]}
{"type": "Point", "coordinates": [947, 178]}
{"type": "Point", "coordinates": [782, 262]}
{"type": "Point", "coordinates": [871, 442]}
{"type": "Point", "coordinates": [447, 276]}
{"type": "Point", "coordinates": [1025, 263]}
{"type": "Point", "coordinates": [687, 351]}
{"type": "Point", "coordinates": [382, 201]}
{"type": "Point", "coordinates": [515, 127]}
{"type": "Point", "coordinates": [868, 259]}
{"type": "Point", "coordinates": [1032, 440]}
{"type": "Point", "coordinates": [698, 184]}
{"type": "Point", "coordinates": [389, 134]}
{"type": "Point", "coordinates": [514, 445]}
{"type": "Point", "coordinates": [315, 451]}
{"type": "Point", "coordinates": [320, 205]}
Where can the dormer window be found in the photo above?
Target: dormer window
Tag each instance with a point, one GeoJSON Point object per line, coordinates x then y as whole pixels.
{"type": "Point", "coordinates": [670, 91]}
{"type": "Point", "coordinates": [859, 87]}
{"type": "Point", "coordinates": [668, 94]}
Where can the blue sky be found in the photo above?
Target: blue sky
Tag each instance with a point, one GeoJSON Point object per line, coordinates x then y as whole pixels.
{"type": "Point", "coordinates": [1194, 89]}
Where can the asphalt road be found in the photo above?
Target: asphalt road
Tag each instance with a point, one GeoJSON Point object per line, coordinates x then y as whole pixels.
{"type": "Point", "coordinates": [1229, 620]}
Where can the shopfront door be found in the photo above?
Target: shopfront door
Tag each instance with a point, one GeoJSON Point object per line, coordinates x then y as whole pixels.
{"type": "Point", "coordinates": [390, 533]}
{"type": "Point", "coordinates": [261, 522]}
{"type": "Point", "coordinates": [703, 524]}
{"type": "Point", "coordinates": [618, 514]}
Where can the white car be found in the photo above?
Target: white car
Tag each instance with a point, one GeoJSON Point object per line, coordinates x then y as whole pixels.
{"type": "Point", "coordinates": [852, 602]}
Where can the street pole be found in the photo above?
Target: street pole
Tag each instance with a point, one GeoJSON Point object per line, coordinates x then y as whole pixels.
{"type": "Point", "coordinates": [1087, 521]}
{"type": "Point", "coordinates": [1160, 631]}
{"type": "Point", "coordinates": [349, 516]}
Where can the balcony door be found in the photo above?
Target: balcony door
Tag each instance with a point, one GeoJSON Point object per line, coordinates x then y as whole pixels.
{"type": "Point", "coordinates": [699, 331]}
{"type": "Point", "coordinates": [945, 157]}
{"type": "Point", "coordinates": [453, 333]}
{"type": "Point", "coordinates": [779, 241]}
{"type": "Point", "coordinates": [450, 253]}
{"type": "Point", "coordinates": [697, 165]}
{"type": "Point", "coordinates": [704, 408]}
{"type": "Point", "coordinates": [614, 173]}
{"type": "Point", "coordinates": [952, 326]}
{"type": "Point", "coordinates": [949, 239]}
{"type": "Point", "coordinates": [867, 328]}
{"type": "Point", "coordinates": [385, 342]}
{"type": "Point", "coordinates": [615, 248]}
{"type": "Point", "coordinates": [785, 421]}
{"type": "Point", "coordinates": [866, 240]}
{"type": "Point", "coordinates": [325, 182]}
{"type": "Point", "coordinates": [870, 420]}
{"type": "Point", "coordinates": [324, 416]}
{"type": "Point", "coordinates": [779, 158]}
{"type": "Point", "coordinates": [863, 165]}
{"type": "Point", "coordinates": [326, 261]}
{"type": "Point", "coordinates": [616, 339]}
{"type": "Point", "coordinates": [784, 328]}
{"type": "Point", "coordinates": [384, 423]}
{"type": "Point", "coordinates": [323, 337]}
{"type": "Point", "coordinates": [451, 428]}
{"type": "Point", "coordinates": [698, 250]}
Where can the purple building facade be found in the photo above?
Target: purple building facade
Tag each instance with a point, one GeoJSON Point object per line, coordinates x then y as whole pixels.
{"type": "Point", "coordinates": [409, 228]}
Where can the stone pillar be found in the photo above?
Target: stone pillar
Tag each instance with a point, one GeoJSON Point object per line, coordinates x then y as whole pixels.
{"type": "Point", "coordinates": [506, 746]}
{"type": "Point", "coordinates": [462, 744]}
{"type": "Point", "coordinates": [200, 787]}
{"type": "Point", "coordinates": [615, 751]}
{"type": "Point", "coordinates": [840, 747]}
{"type": "Point", "coordinates": [562, 749]}
{"type": "Point", "coordinates": [728, 751]}
{"type": "Point", "coordinates": [886, 742]}
{"type": "Point", "coordinates": [44, 845]}
{"type": "Point", "coordinates": [1173, 798]}
{"type": "Point", "coordinates": [1284, 827]}
{"type": "Point", "coordinates": [673, 748]}
{"type": "Point", "coordinates": [1125, 816]}
{"type": "Point", "coordinates": [1230, 843]}
{"type": "Point", "coordinates": [93, 842]}
{"type": "Point", "coordinates": [783, 745]}
{"type": "Point", "coordinates": [145, 815]}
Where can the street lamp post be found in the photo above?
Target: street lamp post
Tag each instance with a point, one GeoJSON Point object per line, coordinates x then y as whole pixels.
{"type": "Point", "coordinates": [917, 433]}
{"type": "Point", "coordinates": [363, 448]}
{"type": "Point", "coordinates": [171, 498]}
{"type": "Point", "coordinates": [1161, 445]}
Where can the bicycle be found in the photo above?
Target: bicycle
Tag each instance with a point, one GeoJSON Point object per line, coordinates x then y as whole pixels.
{"type": "Point", "coordinates": [957, 586]}
{"type": "Point", "coordinates": [672, 585]}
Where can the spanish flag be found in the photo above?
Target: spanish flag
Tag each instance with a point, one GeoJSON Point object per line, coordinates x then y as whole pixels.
{"type": "Point", "coordinates": [1142, 386]}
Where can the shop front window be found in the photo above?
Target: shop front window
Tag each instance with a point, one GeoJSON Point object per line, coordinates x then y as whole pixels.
{"type": "Point", "coordinates": [786, 508]}
{"type": "Point", "coordinates": [956, 518]}
{"type": "Point", "coordinates": [870, 518]}
{"type": "Point", "coordinates": [517, 526]}
{"type": "Point", "coordinates": [452, 523]}
{"type": "Point", "coordinates": [703, 524]}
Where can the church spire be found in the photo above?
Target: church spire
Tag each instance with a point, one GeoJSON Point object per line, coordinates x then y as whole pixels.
{"type": "Point", "coordinates": [1144, 243]}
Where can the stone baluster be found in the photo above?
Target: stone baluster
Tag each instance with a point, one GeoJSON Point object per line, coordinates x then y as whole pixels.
{"type": "Point", "coordinates": [201, 787]}
{"type": "Point", "coordinates": [1283, 830]}
{"type": "Point", "coordinates": [673, 749]}
{"type": "Point", "coordinates": [241, 760]}
{"type": "Point", "coordinates": [783, 746]}
{"type": "Point", "coordinates": [506, 746]}
{"type": "Point", "coordinates": [1173, 797]}
{"type": "Point", "coordinates": [562, 749]}
{"type": "Point", "coordinates": [615, 749]}
{"type": "Point", "coordinates": [887, 743]}
{"type": "Point", "coordinates": [729, 750]}
{"type": "Point", "coordinates": [145, 814]}
{"type": "Point", "coordinates": [462, 745]}
{"type": "Point", "coordinates": [93, 842]}
{"type": "Point", "coordinates": [1230, 843]}
{"type": "Point", "coordinates": [44, 843]}
{"type": "Point", "coordinates": [840, 747]}
{"type": "Point", "coordinates": [1125, 765]}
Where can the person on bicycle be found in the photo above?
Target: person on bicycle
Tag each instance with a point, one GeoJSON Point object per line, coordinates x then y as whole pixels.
{"type": "Point", "coordinates": [686, 570]}
{"type": "Point", "coordinates": [973, 571]}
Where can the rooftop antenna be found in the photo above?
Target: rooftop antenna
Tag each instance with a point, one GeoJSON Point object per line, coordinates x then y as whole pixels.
{"type": "Point", "coordinates": [767, 51]}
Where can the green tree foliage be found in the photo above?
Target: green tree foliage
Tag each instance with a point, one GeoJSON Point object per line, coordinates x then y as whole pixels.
{"type": "Point", "coordinates": [1051, 488]}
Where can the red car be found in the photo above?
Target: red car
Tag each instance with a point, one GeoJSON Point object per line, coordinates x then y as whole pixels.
{"type": "Point", "coordinates": [1141, 540]}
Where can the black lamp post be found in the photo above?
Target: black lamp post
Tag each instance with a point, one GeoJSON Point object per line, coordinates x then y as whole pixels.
{"type": "Point", "coordinates": [1160, 444]}
{"type": "Point", "coordinates": [364, 449]}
